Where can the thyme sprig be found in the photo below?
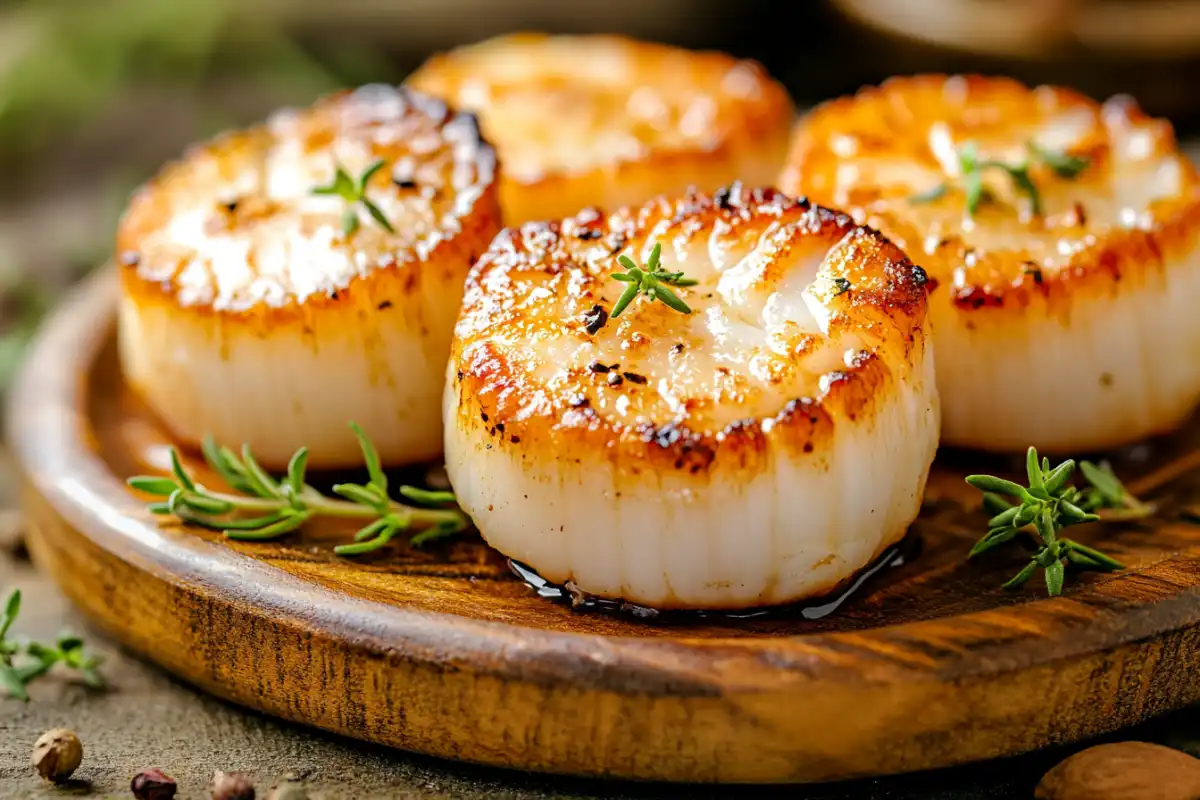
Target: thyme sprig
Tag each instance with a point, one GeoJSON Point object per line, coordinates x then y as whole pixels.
{"type": "Point", "coordinates": [354, 192]}
{"type": "Point", "coordinates": [1049, 504]}
{"type": "Point", "coordinates": [266, 508]}
{"type": "Point", "coordinates": [973, 167]}
{"type": "Point", "coordinates": [650, 281]}
{"type": "Point", "coordinates": [22, 662]}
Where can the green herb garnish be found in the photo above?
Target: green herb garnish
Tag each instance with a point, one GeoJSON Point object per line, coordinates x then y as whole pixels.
{"type": "Point", "coordinates": [650, 281]}
{"type": "Point", "coordinates": [1064, 165]}
{"type": "Point", "coordinates": [267, 508]}
{"type": "Point", "coordinates": [930, 195]}
{"type": "Point", "coordinates": [1049, 504]}
{"type": "Point", "coordinates": [21, 663]}
{"type": "Point", "coordinates": [354, 192]}
{"type": "Point", "coordinates": [972, 167]}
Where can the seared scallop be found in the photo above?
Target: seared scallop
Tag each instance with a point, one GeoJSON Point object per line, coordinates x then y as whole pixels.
{"type": "Point", "coordinates": [760, 448]}
{"type": "Point", "coordinates": [270, 294]}
{"type": "Point", "coordinates": [1062, 240]}
{"type": "Point", "coordinates": [602, 120]}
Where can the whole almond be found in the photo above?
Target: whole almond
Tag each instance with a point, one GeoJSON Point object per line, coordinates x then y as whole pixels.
{"type": "Point", "coordinates": [1123, 771]}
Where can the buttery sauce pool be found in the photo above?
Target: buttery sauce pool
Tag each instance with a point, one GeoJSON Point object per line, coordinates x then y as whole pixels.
{"type": "Point", "coordinates": [812, 608]}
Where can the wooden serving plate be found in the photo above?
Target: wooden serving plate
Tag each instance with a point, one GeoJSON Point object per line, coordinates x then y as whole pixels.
{"type": "Point", "coordinates": [443, 651]}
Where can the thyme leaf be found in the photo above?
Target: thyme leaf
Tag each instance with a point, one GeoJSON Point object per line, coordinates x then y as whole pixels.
{"type": "Point", "coordinates": [354, 192]}
{"type": "Point", "coordinates": [930, 195]}
{"type": "Point", "coordinates": [1063, 164]}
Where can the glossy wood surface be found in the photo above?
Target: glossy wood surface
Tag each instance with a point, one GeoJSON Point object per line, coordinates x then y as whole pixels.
{"type": "Point", "coordinates": [444, 651]}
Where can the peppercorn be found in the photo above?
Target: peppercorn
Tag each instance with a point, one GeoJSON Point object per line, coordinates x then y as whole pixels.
{"type": "Point", "coordinates": [231, 786]}
{"type": "Point", "coordinates": [56, 754]}
{"type": "Point", "coordinates": [153, 784]}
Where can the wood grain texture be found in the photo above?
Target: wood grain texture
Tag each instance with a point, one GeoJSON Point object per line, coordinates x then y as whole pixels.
{"type": "Point", "coordinates": [442, 651]}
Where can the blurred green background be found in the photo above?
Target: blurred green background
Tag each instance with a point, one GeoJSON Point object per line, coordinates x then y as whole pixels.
{"type": "Point", "coordinates": [95, 95]}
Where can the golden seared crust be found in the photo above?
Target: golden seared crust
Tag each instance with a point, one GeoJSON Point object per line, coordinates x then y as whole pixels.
{"type": "Point", "coordinates": [581, 120]}
{"type": "Point", "coordinates": [234, 226]}
{"type": "Point", "coordinates": [1134, 208]}
{"type": "Point", "coordinates": [801, 321]}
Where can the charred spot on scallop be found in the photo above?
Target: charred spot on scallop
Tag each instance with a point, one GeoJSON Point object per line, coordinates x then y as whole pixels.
{"type": "Point", "coordinates": [307, 271]}
{"type": "Point", "coordinates": [1061, 238]}
{"type": "Point", "coordinates": [665, 457]}
{"type": "Point", "coordinates": [581, 120]}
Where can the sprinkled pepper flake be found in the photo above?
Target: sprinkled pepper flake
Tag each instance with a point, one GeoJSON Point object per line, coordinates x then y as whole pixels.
{"type": "Point", "coordinates": [595, 319]}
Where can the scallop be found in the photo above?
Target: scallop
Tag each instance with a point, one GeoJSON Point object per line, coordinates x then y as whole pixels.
{"type": "Point", "coordinates": [1061, 240]}
{"type": "Point", "coordinates": [760, 448]}
{"type": "Point", "coordinates": [258, 309]}
{"type": "Point", "coordinates": [603, 120]}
